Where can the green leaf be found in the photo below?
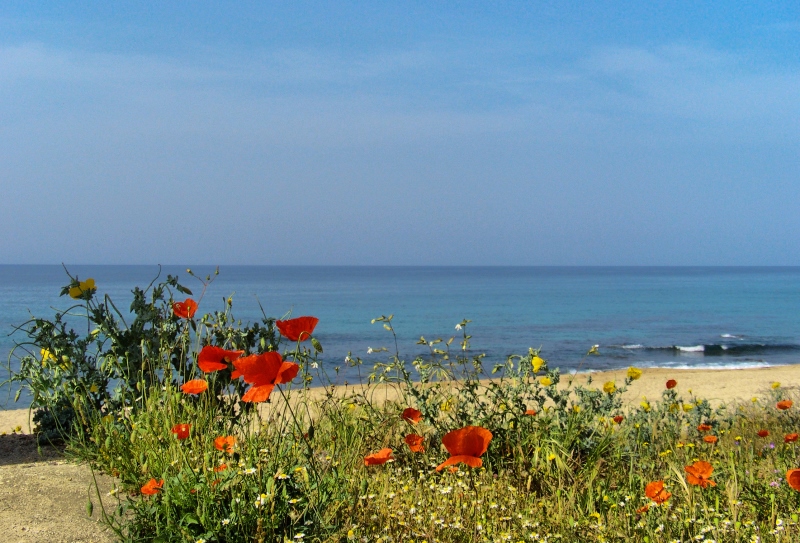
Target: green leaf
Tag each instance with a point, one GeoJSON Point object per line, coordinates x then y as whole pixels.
{"type": "Point", "coordinates": [183, 289]}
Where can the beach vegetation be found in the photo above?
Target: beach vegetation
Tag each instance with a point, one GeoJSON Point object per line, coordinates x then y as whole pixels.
{"type": "Point", "coordinates": [214, 430]}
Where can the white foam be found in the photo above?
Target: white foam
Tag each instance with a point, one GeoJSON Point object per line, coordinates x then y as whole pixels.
{"type": "Point", "coordinates": [635, 346]}
{"type": "Point", "coordinates": [731, 336]}
{"type": "Point", "coordinates": [737, 366]}
{"type": "Point", "coordinates": [693, 349]}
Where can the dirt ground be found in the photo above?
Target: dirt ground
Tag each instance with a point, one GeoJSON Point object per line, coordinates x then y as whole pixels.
{"type": "Point", "coordinates": [43, 498]}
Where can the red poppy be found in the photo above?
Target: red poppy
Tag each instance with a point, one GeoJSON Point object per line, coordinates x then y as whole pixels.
{"type": "Point", "coordinates": [412, 415]}
{"type": "Point", "coordinates": [762, 433]}
{"type": "Point", "coordinates": [698, 474]}
{"type": "Point", "coordinates": [655, 491]}
{"type": "Point", "coordinates": [263, 371]}
{"type": "Point", "coordinates": [152, 487]}
{"type": "Point", "coordinates": [225, 443]}
{"type": "Point", "coordinates": [195, 386]}
{"type": "Point", "coordinates": [378, 458]}
{"type": "Point", "coordinates": [643, 509]}
{"type": "Point", "coordinates": [710, 439]}
{"type": "Point", "coordinates": [299, 329]}
{"type": "Point", "coordinates": [213, 358]}
{"type": "Point", "coordinates": [704, 428]}
{"type": "Point", "coordinates": [181, 431]}
{"type": "Point", "coordinates": [414, 443]}
{"type": "Point", "coordinates": [793, 478]}
{"type": "Point", "coordinates": [783, 405]}
{"type": "Point", "coordinates": [466, 445]}
{"type": "Point", "coordinates": [672, 383]}
{"type": "Point", "coordinates": [221, 467]}
{"type": "Point", "coordinates": [530, 412]}
{"type": "Point", "coordinates": [790, 438]}
{"type": "Point", "coordinates": [618, 419]}
{"type": "Point", "coordinates": [185, 309]}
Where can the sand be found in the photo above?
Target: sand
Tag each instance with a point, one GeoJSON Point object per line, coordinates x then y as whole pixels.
{"type": "Point", "coordinates": [43, 498]}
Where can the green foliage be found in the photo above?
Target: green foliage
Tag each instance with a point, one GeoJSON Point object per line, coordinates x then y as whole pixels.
{"type": "Point", "coordinates": [566, 462]}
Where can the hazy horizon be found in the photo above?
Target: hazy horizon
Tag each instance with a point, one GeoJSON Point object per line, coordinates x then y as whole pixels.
{"type": "Point", "coordinates": [540, 133]}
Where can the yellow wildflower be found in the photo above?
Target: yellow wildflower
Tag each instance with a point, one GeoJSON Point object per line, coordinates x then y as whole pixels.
{"type": "Point", "coordinates": [446, 406]}
{"type": "Point", "coordinates": [609, 387]}
{"type": "Point", "coordinates": [645, 405]}
{"type": "Point", "coordinates": [634, 373]}
{"type": "Point", "coordinates": [776, 384]}
{"type": "Point", "coordinates": [551, 457]}
{"type": "Point", "coordinates": [545, 381]}
{"type": "Point", "coordinates": [688, 407]}
{"type": "Point", "coordinates": [537, 363]}
{"type": "Point", "coordinates": [47, 356]}
{"type": "Point", "coordinates": [83, 286]}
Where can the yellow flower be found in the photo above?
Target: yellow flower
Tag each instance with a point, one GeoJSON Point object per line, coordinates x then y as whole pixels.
{"type": "Point", "coordinates": [645, 405]}
{"type": "Point", "coordinates": [83, 286]}
{"type": "Point", "coordinates": [94, 388]}
{"type": "Point", "coordinates": [47, 356]}
{"type": "Point", "coordinates": [634, 373]}
{"type": "Point", "coordinates": [551, 457]}
{"type": "Point", "coordinates": [537, 363]}
{"type": "Point", "coordinates": [776, 384]}
{"type": "Point", "coordinates": [594, 350]}
{"type": "Point", "coordinates": [576, 408]}
{"type": "Point", "coordinates": [447, 405]}
{"type": "Point", "coordinates": [609, 387]}
{"type": "Point", "coordinates": [754, 399]}
{"type": "Point", "coordinates": [688, 407]}
{"type": "Point", "coordinates": [545, 381]}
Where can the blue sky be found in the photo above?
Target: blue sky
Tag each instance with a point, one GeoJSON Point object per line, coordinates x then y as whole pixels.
{"type": "Point", "coordinates": [530, 133]}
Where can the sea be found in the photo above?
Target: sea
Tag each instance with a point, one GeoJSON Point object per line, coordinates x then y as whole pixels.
{"type": "Point", "coordinates": [678, 317]}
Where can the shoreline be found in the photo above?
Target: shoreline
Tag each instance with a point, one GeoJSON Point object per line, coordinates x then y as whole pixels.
{"type": "Point", "coordinates": [717, 385]}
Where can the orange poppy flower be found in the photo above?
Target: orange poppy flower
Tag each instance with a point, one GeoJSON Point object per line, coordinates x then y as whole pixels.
{"type": "Point", "coordinates": [195, 386]}
{"type": "Point", "coordinates": [181, 431]}
{"type": "Point", "coordinates": [185, 309]}
{"type": "Point", "coordinates": [672, 383]}
{"type": "Point", "coordinates": [793, 478]}
{"type": "Point", "coordinates": [263, 371]}
{"type": "Point", "coordinates": [762, 433]}
{"type": "Point", "coordinates": [414, 443]}
{"type": "Point", "coordinates": [710, 439]}
{"type": "Point", "coordinates": [378, 458]}
{"type": "Point", "coordinates": [225, 443]}
{"type": "Point", "coordinates": [704, 428]}
{"type": "Point", "coordinates": [783, 405]}
{"type": "Point", "coordinates": [298, 329]}
{"type": "Point", "coordinates": [530, 412]}
{"type": "Point", "coordinates": [643, 509]}
{"type": "Point", "coordinates": [412, 415]}
{"type": "Point", "coordinates": [466, 445]}
{"type": "Point", "coordinates": [655, 491]}
{"type": "Point", "coordinates": [618, 419]}
{"type": "Point", "coordinates": [221, 467]}
{"type": "Point", "coordinates": [698, 474]}
{"type": "Point", "coordinates": [213, 358]}
{"type": "Point", "coordinates": [152, 487]}
{"type": "Point", "coordinates": [790, 438]}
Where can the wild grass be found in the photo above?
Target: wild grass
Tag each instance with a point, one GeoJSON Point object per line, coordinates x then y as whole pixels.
{"type": "Point", "coordinates": [565, 463]}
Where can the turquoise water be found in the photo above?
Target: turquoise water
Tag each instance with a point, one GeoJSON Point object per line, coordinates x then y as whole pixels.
{"type": "Point", "coordinates": [678, 317]}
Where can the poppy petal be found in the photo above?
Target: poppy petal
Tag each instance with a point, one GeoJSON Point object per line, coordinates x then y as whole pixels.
{"type": "Point", "coordinates": [258, 393]}
{"type": "Point", "coordinates": [471, 461]}
{"type": "Point", "coordinates": [299, 329]}
{"type": "Point", "coordinates": [195, 386]}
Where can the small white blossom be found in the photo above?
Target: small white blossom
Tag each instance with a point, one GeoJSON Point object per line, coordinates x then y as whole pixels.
{"type": "Point", "coordinates": [458, 327]}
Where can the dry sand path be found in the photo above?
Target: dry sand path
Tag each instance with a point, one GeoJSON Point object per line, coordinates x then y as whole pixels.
{"type": "Point", "coordinates": [43, 498]}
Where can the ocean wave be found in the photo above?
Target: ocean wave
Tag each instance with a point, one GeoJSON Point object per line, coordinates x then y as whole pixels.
{"type": "Point", "coordinates": [720, 349]}
{"type": "Point", "coordinates": [731, 336]}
